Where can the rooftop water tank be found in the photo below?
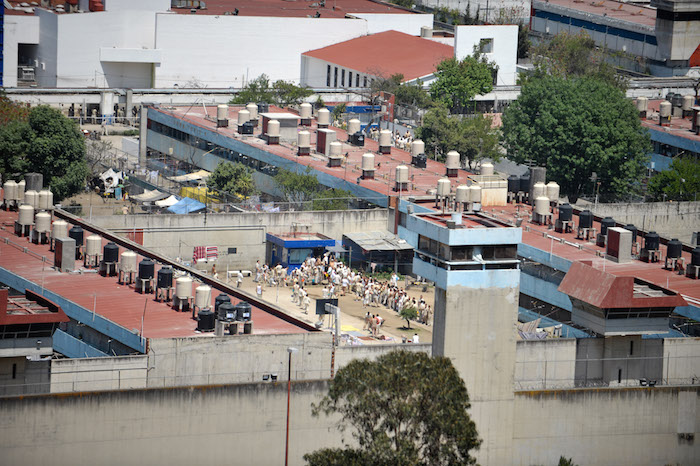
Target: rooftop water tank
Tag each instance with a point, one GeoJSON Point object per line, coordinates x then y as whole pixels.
{"type": "Point", "coordinates": [525, 183]}
{"type": "Point", "coordinates": [538, 175]}
{"type": "Point", "coordinates": [31, 198]}
{"type": "Point", "coordinates": [368, 161]}
{"type": "Point", "coordinates": [35, 181]}
{"type": "Point", "coordinates": [585, 219]}
{"type": "Point", "coordinates": [475, 193]}
{"type": "Point", "coordinates": [222, 298]}
{"type": "Point", "coordinates": [633, 229]}
{"type": "Point", "coordinates": [10, 190]}
{"type": "Point", "coordinates": [354, 126]}
{"type": "Point", "coordinates": [642, 104]}
{"type": "Point", "coordinates": [542, 205]}
{"type": "Point", "coordinates": [674, 249]}
{"type": "Point", "coordinates": [19, 194]}
{"type": "Point", "coordinates": [513, 183]}
{"type": "Point", "coordinates": [304, 139]}
{"type": "Point", "coordinates": [552, 191]}
{"type": "Point", "coordinates": [202, 297]}
{"type": "Point", "coordinates": [59, 229]}
{"type": "Point", "coordinates": [26, 215]}
{"type": "Point", "coordinates": [487, 169]}
{"type": "Point", "coordinates": [165, 277]}
{"type": "Point", "coordinates": [206, 321]}
{"type": "Point", "coordinates": [566, 212]}
{"type": "Point", "coordinates": [226, 312]}
{"type": "Point", "coordinates": [452, 160]}
{"type": "Point", "coordinates": [243, 309]}
{"type": "Point", "coordinates": [695, 256]}
{"type": "Point", "coordinates": [443, 187]}
{"type": "Point", "coordinates": [305, 111]}
{"type": "Point", "coordinates": [402, 174]}
{"type": "Point", "coordinates": [110, 253]}
{"type": "Point", "coordinates": [606, 223]}
{"type": "Point", "coordinates": [336, 149]}
{"type": "Point", "coordinates": [651, 241]}
{"type": "Point", "coordinates": [243, 116]}
{"type": "Point", "coordinates": [462, 193]}
{"type": "Point", "coordinates": [183, 288]}
{"type": "Point", "coordinates": [93, 244]}
{"type": "Point", "coordinates": [688, 101]}
{"type": "Point", "coordinates": [323, 117]}
{"type": "Point", "coordinates": [417, 147]}
{"type": "Point", "coordinates": [539, 190]}
{"type": "Point", "coordinates": [252, 111]}
{"type": "Point", "coordinates": [665, 108]}
{"type": "Point", "coordinates": [128, 262]}
{"type": "Point", "coordinates": [222, 114]}
{"type": "Point", "coordinates": [273, 128]}
{"type": "Point", "coordinates": [385, 138]}
{"type": "Point", "coordinates": [42, 222]}
{"type": "Point", "coordinates": [147, 269]}
{"type": "Point", "coordinates": [45, 199]}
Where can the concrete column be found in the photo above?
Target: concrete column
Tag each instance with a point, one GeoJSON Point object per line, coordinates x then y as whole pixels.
{"type": "Point", "coordinates": [107, 105]}
{"type": "Point", "coordinates": [143, 136]}
{"type": "Point", "coordinates": [128, 105]}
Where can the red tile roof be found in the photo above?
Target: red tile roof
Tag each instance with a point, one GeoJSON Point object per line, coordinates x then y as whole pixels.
{"type": "Point", "coordinates": [387, 53]}
{"type": "Point", "coordinates": [298, 8]}
{"type": "Point", "coordinates": [608, 9]}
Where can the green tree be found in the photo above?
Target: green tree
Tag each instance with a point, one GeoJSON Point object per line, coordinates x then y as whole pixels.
{"type": "Point", "coordinates": [297, 187]}
{"type": "Point", "coordinates": [575, 127]}
{"type": "Point", "coordinates": [233, 178]}
{"type": "Point", "coordinates": [474, 138]}
{"type": "Point", "coordinates": [403, 408]}
{"type": "Point", "coordinates": [406, 94]}
{"type": "Point", "coordinates": [459, 81]}
{"type": "Point", "coordinates": [281, 93]}
{"type": "Point", "coordinates": [681, 182]}
{"type": "Point", "coordinates": [332, 199]}
{"type": "Point", "coordinates": [408, 313]}
{"type": "Point", "coordinates": [11, 111]}
{"type": "Point", "coordinates": [563, 461]}
{"type": "Point", "coordinates": [338, 111]}
{"type": "Point", "coordinates": [45, 142]}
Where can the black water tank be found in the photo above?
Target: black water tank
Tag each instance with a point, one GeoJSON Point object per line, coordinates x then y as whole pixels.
{"type": "Point", "coordinates": [695, 256]}
{"type": "Point", "coordinates": [226, 312]}
{"type": "Point", "coordinates": [674, 249]}
{"type": "Point", "coordinates": [243, 311]}
{"type": "Point", "coordinates": [146, 269]}
{"type": "Point", "coordinates": [34, 181]}
{"type": "Point", "coordinates": [111, 253]}
{"type": "Point", "coordinates": [421, 161]}
{"type": "Point", "coordinates": [206, 321]}
{"type": "Point", "coordinates": [513, 183]}
{"type": "Point", "coordinates": [77, 234]}
{"type": "Point", "coordinates": [263, 107]}
{"type": "Point", "coordinates": [585, 219]}
{"type": "Point", "coordinates": [651, 241]}
{"type": "Point", "coordinates": [246, 128]}
{"type": "Point", "coordinates": [165, 277]}
{"type": "Point", "coordinates": [525, 183]}
{"type": "Point", "coordinates": [222, 298]}
{"type": "Point", "coordinates": [633, 229]}
{"type": "Point", "coordinates": [566, 212]}
{"type": "Point", "coordinates": [606, 223]}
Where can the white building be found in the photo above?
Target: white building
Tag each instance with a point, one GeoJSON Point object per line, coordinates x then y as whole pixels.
{"type": "Point", "coordinates": [499, 43]}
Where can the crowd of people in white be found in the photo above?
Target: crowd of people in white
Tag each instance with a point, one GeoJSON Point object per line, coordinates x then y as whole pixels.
{"type": "Point", "coordinates": [402, 141]}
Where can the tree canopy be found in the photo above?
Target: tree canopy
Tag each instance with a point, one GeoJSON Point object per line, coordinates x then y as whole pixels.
{"type": "Point", "coordinates": [302, 187]}
{"type": "Point", "coordinates": [474, 138]}
{"type": "Point", "coordinates": [44, 141]}
{"type": "Point", "coordinates": [681, 182]}
{"type": "Point", "coordinates": [576, 127]}
{"type": "Point", "coordinates": [282, 93]}
{"type": "Point", "coordinates": [406, 94]}
{"type": "Point", "coordinates": [459, 81]}
{"type": "Point", "coordinates": [233, 178]}
{"type": "Point", "coordinates": [403, 408]}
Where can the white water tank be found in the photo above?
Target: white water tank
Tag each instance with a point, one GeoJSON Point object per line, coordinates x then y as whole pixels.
{"type": "Point", "coordinates": [243, 116]}
{"type": "Point", "coordinates": [42, 222]}
{"type": "Point", "coordinates": [368, 162]}
{"type": "Point", "coordinates": [273, 128]}
{"type": "Point", "coordinates": [127, 263]}
{"type": "Point", "coordinates": [542, 205]}
{"type": "Point", "coordinates": [305, 111]}
{"type": "Point", "coordinates": [402, 174]}
{"type": "Point", "coordinates": [443, 187]}
{"type": "Point", "coordinates": [304, 139]}
{"type": "Point", "coordinates": [665, 109]}
{"type": "Point", "coordinates": [202, 297]}
{"type": "Point", "coordinates": [59, 229]}
{"type": "Point", "coordinates": [252, 110]}
{"type": "Point", "coordinates": [10, 189]}
{"type": "Point", "coordinates": [183, 288]}
{"type": "Point", "coordinates": [324, 117]}
{"type": "Point", "coordinates": [336, 149]}
{"type": "Point", "coordinates": [486, 168]}
{"type": "Point", "coordinates": [642, 104]}
{"type": "Point", "coordinates": [354, 126]}
{"type": "Point", "coordinates": [93, 245]}
{"type": "Point", "coordinates": [462, 193]}
{"type": "Point", "coordinates": [475, 193]}
{"type": "Point", "coordinates": [452, 160]}
{"type": "Point", "coordinates": [31, 198]}
{"type": "Point", "coordinates": [417, 147]}
{"type": "Point", "coordinates": [552, 191]}
{"type": "Point", "coordinates": [222, 112]}
{"type": "Point", "coordinates": [385, 138]}
{"type": "Point", "coordinates": [26, 214]}
{"type": "Point", "coordinates": [19, 194]}
{"type": "Point", "coordinates": [539, 189]}
{"type": "Point", "coordinates": [45, 199]}
{"type": "Point", "coordinates": [687, 102]}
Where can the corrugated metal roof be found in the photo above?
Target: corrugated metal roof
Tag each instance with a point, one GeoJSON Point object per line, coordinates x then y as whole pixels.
{"type": "Point", "coordinates": [378, 241]}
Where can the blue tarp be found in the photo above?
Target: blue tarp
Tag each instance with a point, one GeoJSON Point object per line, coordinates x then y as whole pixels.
{"type": "Point", "coordinates": [186, 205]}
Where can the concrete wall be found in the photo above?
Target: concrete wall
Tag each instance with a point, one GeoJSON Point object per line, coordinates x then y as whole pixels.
{"type": "Point", "coordinates": [681, 360]}
{"type": "Point", "coordinates": [176, 235]}
{"type": "Point", "coordinates": [669, 219]}
{"type": "Point", "coordinates": [17, 30]}
{"type": "Point", "coordinates": [510, 9]}
{"type": "Point", "coordinates": [504, 48]}
{"type": "Point", "coordinates": [113, 373]}
{"type": "Point", "coordinates": [345, 354]}
{"type": "Point", "coordinates": [635, 426]}
{"type": "Point", "coordinates": [20, 376]}
{"type": "Point", "coordinates": [545, 364]}
{"type": "Point", "coordinates": [408, 24]}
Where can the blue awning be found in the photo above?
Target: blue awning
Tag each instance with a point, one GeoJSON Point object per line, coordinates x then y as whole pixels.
{"type": "Point", "coordinates": [186, 205]}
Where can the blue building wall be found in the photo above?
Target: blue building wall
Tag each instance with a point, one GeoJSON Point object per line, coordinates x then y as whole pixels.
{"type": "Point", "coordinates": [71, 347]}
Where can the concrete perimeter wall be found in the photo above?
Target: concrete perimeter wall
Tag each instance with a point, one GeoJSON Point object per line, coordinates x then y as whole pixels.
{"type": "Point", "coordinates": [668, 219]}
{"type": "Point", "coordinates": [176, 235]}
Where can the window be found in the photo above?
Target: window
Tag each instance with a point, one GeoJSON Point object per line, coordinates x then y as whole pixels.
{"type": "Point", "coordinates": [365, 81]}
{"type": "Point", "coordinates": [328, 75]}
{"type": "Point", "coordinates": [342, 78]}
{"type": "Point", "coordinates": [357, 80]}
{"type": "Point", "coordinates": [486, 45]}
{"type": "Point", "coordinates": [335, 77]}
{"type": "Point", "coordinates": [349, 78]}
